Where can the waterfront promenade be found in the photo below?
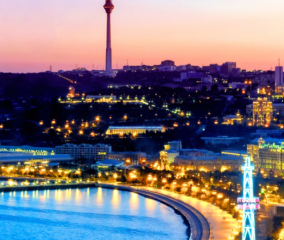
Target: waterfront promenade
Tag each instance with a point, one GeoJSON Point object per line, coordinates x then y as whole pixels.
{"type": "Point", "coordinates": [222, 224]}
{"type": "Point", "coordinates": [214, 222]}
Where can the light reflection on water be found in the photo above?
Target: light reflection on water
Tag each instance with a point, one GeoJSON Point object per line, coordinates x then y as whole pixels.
{"type": "Point", "coordinates": [92, 213]}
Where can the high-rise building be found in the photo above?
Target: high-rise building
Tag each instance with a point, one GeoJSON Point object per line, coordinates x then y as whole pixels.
{"type": "Point", "coordinates": [279, 79]}
{"type": "Point", "coordinates": [262, 112]}
{"type": "Point", "coordinates": [214, 68]}
{"type": "Point", "coordinates": [228, 67]}
{"type": "Point", "coordinates": [108, 8]}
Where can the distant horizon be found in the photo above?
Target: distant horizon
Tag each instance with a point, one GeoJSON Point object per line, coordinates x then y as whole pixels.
{"type": "Point", "coordinates": [89, 69]}
{"type": "Point", "coordinates": [63, 34]}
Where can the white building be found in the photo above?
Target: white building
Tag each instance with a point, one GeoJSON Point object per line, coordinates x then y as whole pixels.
{"type": "Point", "coordinates": [85, 151]}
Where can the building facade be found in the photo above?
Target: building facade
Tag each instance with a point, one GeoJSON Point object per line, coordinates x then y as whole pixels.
{"type": "Point", "coordinates": [129, 158]}
{"type": "Point", "coordinates": [262, 112]}
{"type": "Point", "coordinates": [279, 79]}
{"type": "Point", "coordinates": [85, 151]}
{"type": "Point", "coordinates": [134, 130]}
{"type": "Point", "coordinates": [267, 155]}
{"type": "Point", "coordinates": [225, 140]}
{"type": "Point", "coordinates": [211, 163]}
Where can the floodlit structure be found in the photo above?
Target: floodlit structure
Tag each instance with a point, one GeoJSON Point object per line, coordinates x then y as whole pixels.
{"type": "Point", "coordinates": [134, 130]}
{"type": "Point", "coordinates": [71, 93]}
{"type": "Point", "coordinates": [248, 203]}
{"type": "Point", "coordinates": [108, 8]}
{"type": "Point", "coordinates": [262, 112]}
{"type": "Point", "coordinates": [27, 150]}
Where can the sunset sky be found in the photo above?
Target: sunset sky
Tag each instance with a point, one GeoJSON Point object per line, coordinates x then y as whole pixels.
{"type": "Point", "coordinates": [37, 33]}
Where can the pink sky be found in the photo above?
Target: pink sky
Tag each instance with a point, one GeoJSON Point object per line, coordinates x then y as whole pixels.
{"type": "Point", "coordinates": [37, 33]}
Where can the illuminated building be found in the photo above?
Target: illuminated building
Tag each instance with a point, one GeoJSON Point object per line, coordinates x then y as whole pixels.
{"type": "Point", "coordinates": [107, 164]}
{"type": "Point", "coordinates": [173, 145]}
{"type": "Point", "coordinates": [262, 112]}
{"type": "Point", "coordinates": [267, 154]}
{"type": "Point", "coordinates": [167, 157]}
{"type": "Point", "coordinates": [108, 8]}
{"type": "Point", "coordinates": [71, 93]}
{"type": "Point", "coordinates": [85, 151]}
{"type": "Point", "coordinates": [209, 163]}
{"type": "Point", "coordinates": [129, 158]}
{"type": "Point", "coordinates": [27, 150]}
{"type": "Point", "coordinates": [30, 159]}
{"type": "Point", "coordinates": [248, 203]}
{"type": "Point", "coordinates": [278, 109]}
{"type": "Point", "coordinates": [134, 130]}
{"type": "Point", "coordinates": [171, 150]}
{"type": "Point", "coordinates": [100, 98]}
{"type": "Point", "coordinates": [232, 119]}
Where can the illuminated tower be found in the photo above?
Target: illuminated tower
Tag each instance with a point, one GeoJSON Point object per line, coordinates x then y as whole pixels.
{"type": "Point", "coordinates": [108, 7]}
{"type": "Point", "coordinates": [248, 203]}
{"type": "Point", "coordinates": [262, 112]}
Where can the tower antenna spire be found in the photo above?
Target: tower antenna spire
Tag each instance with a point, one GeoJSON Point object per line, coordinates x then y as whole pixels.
{"type": "Point", "coordinates": [108, 8]}
{"type": "Point", "coordinates": [279, 62]}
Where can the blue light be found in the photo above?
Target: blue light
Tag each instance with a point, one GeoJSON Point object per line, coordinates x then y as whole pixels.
{"type": "Point", "coordinates": [248, 203]}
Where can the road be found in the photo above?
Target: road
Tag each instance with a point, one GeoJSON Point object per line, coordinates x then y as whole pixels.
{"type": "Point", "coordinates": [222, 224]}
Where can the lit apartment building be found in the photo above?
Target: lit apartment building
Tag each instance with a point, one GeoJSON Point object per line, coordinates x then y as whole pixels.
{"type": "Point", "coordinates": [85, 151]}
{"type": "Point", "coordinates": [262, 112]}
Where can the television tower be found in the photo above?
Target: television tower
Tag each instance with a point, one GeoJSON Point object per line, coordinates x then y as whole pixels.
{"type": "Point", "coordinates": [248, 203]}
{"type": "Point", "coordinates": [108, 8]}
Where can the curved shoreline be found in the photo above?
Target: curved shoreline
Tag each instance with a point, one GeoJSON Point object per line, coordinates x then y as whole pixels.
{"type": "Point", "coordinates": [199, 228]}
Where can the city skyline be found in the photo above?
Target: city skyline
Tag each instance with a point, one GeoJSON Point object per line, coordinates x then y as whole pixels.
{"type": "Point", "coordinates": [63, 34]}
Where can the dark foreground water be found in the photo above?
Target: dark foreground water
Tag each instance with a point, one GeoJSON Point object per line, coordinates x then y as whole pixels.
{"type": "Point", "coordinates": [86, 214]}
